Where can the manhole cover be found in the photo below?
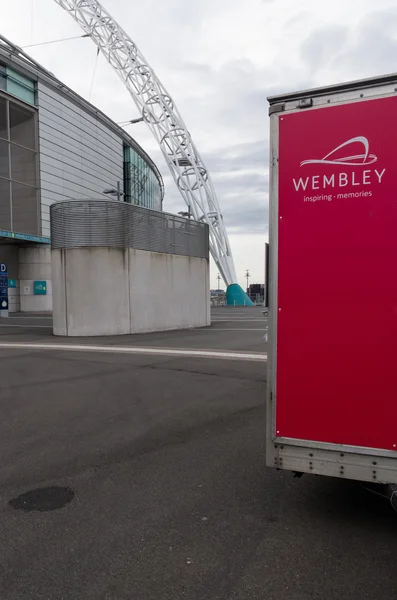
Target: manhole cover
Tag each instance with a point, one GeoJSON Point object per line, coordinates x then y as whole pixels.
{"type": "Point", "coordinates": [42, 499]}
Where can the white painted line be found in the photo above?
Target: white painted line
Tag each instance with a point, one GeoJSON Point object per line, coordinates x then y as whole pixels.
{"type": "Point", "coordinates": [37, 317]}
{"type": "Point", "coordinates": [25, 326]}
{"type": "Point", "coordinates": [237, 320]}
{"type": "Point", "coordinates": [137, 350]}
{"type": "Point", "coordinates": [227, 329]}
{"type": "Point", "coordinates": [199, 329]}
{"type": "Point", "coordinates": [194, 329]}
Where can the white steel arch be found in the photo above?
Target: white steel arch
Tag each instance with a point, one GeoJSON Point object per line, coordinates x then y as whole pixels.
{"type": "Point", "coordinates": [163, 119]}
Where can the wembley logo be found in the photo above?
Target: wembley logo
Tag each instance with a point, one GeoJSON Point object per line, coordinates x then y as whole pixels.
{"type": "Point", "coordinates": [351, 177]}
{"type": "Point", "coordinates": [359, 159]}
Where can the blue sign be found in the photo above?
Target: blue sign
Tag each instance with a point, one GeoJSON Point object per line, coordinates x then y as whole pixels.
{"type": "Point", "coordinates": [40, 288]}
{"type": "Point", "coordinates": [24, 236]}
{"type": "Point", "coordinates": [3, 286]}
{"type": "Point", "coordinates": [12, 283]}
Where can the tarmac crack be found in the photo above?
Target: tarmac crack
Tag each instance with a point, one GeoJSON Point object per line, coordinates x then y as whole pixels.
{"type": "Point", "coordinates": [161, 367]}
{"type": "Point", "coordinates": [68, 379]}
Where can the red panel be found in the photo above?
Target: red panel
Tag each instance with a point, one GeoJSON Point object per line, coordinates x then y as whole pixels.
{"type": "Point", "coordinates": [337, 275]}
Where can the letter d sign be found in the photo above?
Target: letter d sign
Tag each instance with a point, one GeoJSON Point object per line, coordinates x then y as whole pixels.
{"type": "Point", "coordinates": [3, 268]}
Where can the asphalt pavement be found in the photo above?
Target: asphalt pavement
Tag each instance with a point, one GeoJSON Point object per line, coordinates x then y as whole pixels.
{"type": "Point", "coordinates": [142, 477]}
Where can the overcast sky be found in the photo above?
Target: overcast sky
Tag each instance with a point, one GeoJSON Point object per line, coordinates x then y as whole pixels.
{"type": "Point", "coordinates": [219, 60]}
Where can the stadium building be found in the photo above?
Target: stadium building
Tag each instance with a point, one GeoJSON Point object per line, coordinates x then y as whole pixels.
{"type": "Point", "coordinates": [54, 145]}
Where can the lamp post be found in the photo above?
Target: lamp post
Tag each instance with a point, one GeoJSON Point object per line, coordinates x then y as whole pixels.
{"type": "Point", "coordinates": [115, 192]}
{"type": "Point", "coordinates": [187, 214]}
{"type": "Point", "coordinates": [248, 275]}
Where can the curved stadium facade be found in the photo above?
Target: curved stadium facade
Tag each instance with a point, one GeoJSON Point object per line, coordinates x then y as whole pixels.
{"type": "Point", "coordinates": [54, 146]}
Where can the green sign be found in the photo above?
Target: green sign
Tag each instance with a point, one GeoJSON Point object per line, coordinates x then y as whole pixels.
{"type": "Point", "coordinates": [12, 283]}
{"type": "Point", "coordinates": [40, 288]}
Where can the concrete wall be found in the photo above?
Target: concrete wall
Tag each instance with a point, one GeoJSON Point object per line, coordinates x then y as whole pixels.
{"type": "Point", "coordinates": [109, 291]}
{"type": "Point", "coordinates": [34, 264]}
{"type": "Point", "coordinates": [168, 291]}
{"type": "Point", "coordinates": [14, 302]}
{"type": "Point", "coordinates": [27, 264]}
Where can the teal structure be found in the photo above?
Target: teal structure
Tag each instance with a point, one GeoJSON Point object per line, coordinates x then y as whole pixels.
{"type": "Point", "coordinates": [235, 296]}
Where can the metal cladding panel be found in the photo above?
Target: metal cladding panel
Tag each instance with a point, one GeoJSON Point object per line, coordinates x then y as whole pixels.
{"type": "Point", "coordinates": [337, 280]}
{"type": "Point", "coordinates": [79, 156]}
{"type": "Point", "coordinates": [70, 144]}
{"type": "Point", "coordinates": [87, 223]}
{"type": "Point", "coordinates": [55, 104]}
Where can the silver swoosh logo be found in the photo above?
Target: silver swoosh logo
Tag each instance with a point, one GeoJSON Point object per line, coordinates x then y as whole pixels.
{"type": "Point", "coordinates": [358, 160]}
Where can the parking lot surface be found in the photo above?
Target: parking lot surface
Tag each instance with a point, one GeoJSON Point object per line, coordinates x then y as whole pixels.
{"type": "Point", "coordinates": [128, 475]}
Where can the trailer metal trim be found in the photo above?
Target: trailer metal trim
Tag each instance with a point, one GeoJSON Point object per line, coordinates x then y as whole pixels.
{"type": "Point", "coordinates": [273, 302]}
{"type": "Point", "coordinates": [337, 447]}
{"type": "Point", "coordinates": [360, 84]}
{"type": "Point", "coordinates": [308, 101]}
{"type": "Point", "coordinates": [334, 463]}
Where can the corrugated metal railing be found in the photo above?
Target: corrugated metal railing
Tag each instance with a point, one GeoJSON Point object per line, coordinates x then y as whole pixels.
{"type": "Point", "coordinates": [79, 223]}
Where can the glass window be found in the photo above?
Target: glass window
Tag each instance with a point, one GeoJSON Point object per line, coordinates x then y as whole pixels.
{"type": "Point", "coordinates": [22, 126]}
{"type": "Point", "coordinates": [5, 205]}
{"type": "Point", "coordinates": [19, 198]}
{"type": "Point", "coordinates": [24, 208]}
{"type": "Point", "coordinates": [3, 119]}
{"type": "Point", "coordinates": [140, 184]}
{"type": "Point", "coordinates": [4, 159]}
{"type": "Point", "coordinates": [23, 165]}
{"type": "Point", "coordinates": [20, 86]}
{"type": "Point", "coordinates": [2, 77]}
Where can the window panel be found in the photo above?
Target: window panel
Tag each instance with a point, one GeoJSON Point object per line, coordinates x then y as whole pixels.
{"type": "Point", "coordinates": [18, 90]}
{"type": "Point", "coordinates": [2, 78]}
{"type": "Point", "coordinates": [21, 79]}
{"type": "Point", "coordinates": [140, 183]}
{"type": "Point", "coordinates": [20, 86]}
{"type": "Point", "coordinates": [4, 159]}
{"type": "Point", "coordinates": [3, 119]}
{"type": "Point", "coordinates": [5, 210]}
{"type": "Point", "coordinates": [23, 165]}
{"type": "Point", "coordinates": [22, 126]}
{"type": "Point", "coordinates": [24, 209]}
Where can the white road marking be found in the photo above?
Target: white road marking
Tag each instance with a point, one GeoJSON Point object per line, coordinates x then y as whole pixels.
{"type": "Point", "coordinates": [35, 317]}
{"type": "Point", "coordinates": [227, 329]}
{"type": "Point", "coordinates": [199, 329]}
{"type": "Point", "coordinates": [25, 326]}
{"type": "Point", "coordinates": [238, 320]}
{"type": "Point", "coordinates": [137, 350]}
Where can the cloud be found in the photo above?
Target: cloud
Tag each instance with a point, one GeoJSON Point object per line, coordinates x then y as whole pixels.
{"type": "Point", "coordinates": [240, 176]}
{"type": "Point", "coordinates": [322, 45]}
{"type": "Point", "coordinates": [240, 157]}
{"type": "Point", "coordinates": [298, 19]}
{"type": "Point", "coordinates": [373, 47]}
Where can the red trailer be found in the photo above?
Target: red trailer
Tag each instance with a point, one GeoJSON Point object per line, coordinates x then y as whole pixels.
{"type": "Point", "coordinates": [332, 371]}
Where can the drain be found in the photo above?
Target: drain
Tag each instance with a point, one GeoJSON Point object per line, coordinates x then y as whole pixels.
{"type": "Point", "coordinates": [43, 499]}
